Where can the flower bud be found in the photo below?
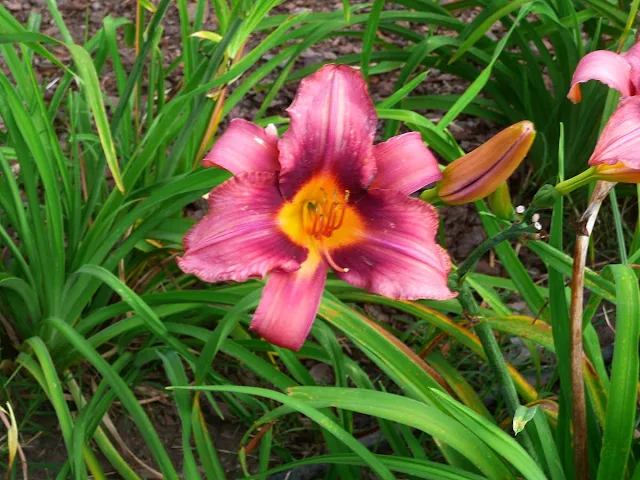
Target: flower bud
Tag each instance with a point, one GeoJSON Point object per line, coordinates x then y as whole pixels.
{"type": "Point", "coordinates": [481, 172]}
{"type": "Point", "coordinates": [500, 203]}
{"type": "Point", "coordinates": [617, 173]}
{"type": "Point", "coordinates": [545, 197]}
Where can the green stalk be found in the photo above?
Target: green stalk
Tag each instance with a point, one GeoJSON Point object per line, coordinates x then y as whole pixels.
{"type": "Point", "coordinates": [584, 178]}
{"type": "Point", "coordinates": [496, 360]}
{"type": "Point", "coordinates": [514, 231]}
{"type": "Point", "coordinates": [483, 329]}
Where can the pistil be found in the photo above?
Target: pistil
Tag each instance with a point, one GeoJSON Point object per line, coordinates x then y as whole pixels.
{"type": "Point", "coordinates": [332, 263]}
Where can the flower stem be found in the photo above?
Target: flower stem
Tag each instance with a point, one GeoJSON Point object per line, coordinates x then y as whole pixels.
{"type": "Point", "coordinates": [585, 227]}
{"type": "Point", "coordinates": [584, 178]}
{"type": "Point", "coordinates": [483, 329]}
{"type": "Point", "coordinates": [514, 231]}
{"type": "Point", "coordinates": [495, 359]}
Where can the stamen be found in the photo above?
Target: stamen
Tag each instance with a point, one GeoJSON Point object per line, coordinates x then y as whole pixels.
{"type": "Point", "coordinates": [324, 196]}
{"type": "Point", "coordinates": [332, 263]}
{"type": "Point", "coordinates": [338, 224]}
{"type": "Point", "coordinates": [320, 225]}
{"type": "Point", "coordinates": [322, 217]}
{"type": "Point", "coordinates": [331, 220]}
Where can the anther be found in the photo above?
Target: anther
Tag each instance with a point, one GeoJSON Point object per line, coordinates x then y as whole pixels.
{"type": "Point", "coordinates": [520, 209]}
{"type": "Point", "coordinates": [535, 217]}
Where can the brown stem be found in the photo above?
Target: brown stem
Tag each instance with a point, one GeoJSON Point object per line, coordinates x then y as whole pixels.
{"type": "Point", "coordinates": [585, 227]}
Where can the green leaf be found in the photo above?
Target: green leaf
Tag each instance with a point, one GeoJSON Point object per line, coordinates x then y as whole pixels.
{"type": "Point", "coordinates": [219, 335]}
{"type": "Point", "coordinates": [321, 419]}
{"type": "Point", "coordinates": [461, 334]}
{"type": "Point", "coordinates": [479, 83]}
{"type": "Point", "coordinates": [347, 11]}
{"type": "Point", "coordinates": [370, 33]}
{"type": "Point", "coordinates": [93, 92]}
{"type": "Point", "coordinates": [412, 413]}
{"type": "Point", "coordinates": [523, 416]}
{"type": "Point", "coordinates": [50, 382]}
{"type": "Point", "coordinates": [27, 294]}
{"type": "Point", "coordinates": [402, 92]}
{"type": "Point", "coordinates": [549, 449]}
{"type": "Point", "coordinates": [212, 36]}
{"type": "Point", "coordinates": [147, 5]}
{"type": "Point", "coordinates": [409, 466]}
{"type": "Point", "coordinates": [494, 437]}
{"type": "Point", "coordinates": [479, 31]}
{"type": "Point", "coordinates": [177, 376]}
{"type": "Point", "coordinates": [129, 401]}
{"type": "Point", "coordinates": [623, 391]}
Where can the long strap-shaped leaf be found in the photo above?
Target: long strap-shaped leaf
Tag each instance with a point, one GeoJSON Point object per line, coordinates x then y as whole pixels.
{"type": "Point", "coordinates": [410, 412]}
{"type": "Point", "coordinates": [623, 391]}
{"type": "Point", "coordinates": [321, 419]}
{"type": "Point", "coordinates": [128, 399]}
{"type": "Point", "coordinates": [441, 321]}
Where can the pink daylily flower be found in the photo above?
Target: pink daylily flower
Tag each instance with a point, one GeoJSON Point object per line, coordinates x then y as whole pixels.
{"type": "Point", "coordinates": [617, 153]}
{"type": "Point", "coordinates": [619, 71]}
{"type": "Point", "coordinates": [321, 196]}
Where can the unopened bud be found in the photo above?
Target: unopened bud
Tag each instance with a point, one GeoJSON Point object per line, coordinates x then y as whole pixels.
{"type": "Point", "coordinates": [545, 197]}
{"type": "Point", "coordinates": [480, 173]}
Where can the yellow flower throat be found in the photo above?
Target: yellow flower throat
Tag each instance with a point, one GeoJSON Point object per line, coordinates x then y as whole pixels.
{"type": "Point", "coordinates": [320, 218]}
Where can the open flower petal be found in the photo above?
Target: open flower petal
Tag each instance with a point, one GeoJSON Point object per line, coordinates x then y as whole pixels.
{"type": "Point", "coordinates": [239, 238]}
{"type": "Point", "coordinates": [617, 173]}
{"type": "Point", "coordinates": [605, 66]}
{"type": "Point", "coordinates": [333, 122]}
{"type": "Point", "coordinates": [620, 139]}
{"type": "Point", "coordinates": [405, 164]}
{"type": "Point", "coordinates": [397, 255]}
{"type": "Point", "coordinates": [633, 57]}
{"type": "Point", "coordinates": [245, 147]}
{"type": "Point", "coordinates": [290, 303]}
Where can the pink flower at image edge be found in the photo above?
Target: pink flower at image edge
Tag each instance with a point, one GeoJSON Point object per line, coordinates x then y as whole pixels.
{"type": "Point", "coordinates": [619, 71]}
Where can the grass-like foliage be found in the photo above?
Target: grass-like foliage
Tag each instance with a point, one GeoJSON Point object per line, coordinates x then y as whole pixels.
{"type": "Point", "coordinates": [95, 313]}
